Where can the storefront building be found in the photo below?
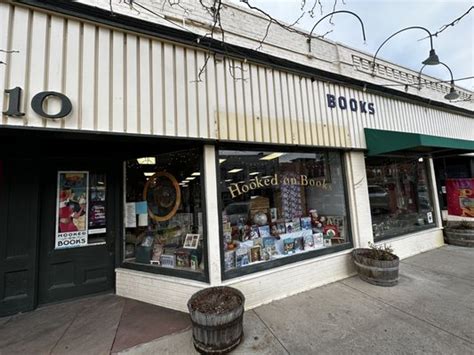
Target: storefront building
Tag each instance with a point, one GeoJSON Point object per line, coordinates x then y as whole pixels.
{"type": "Point", "coordinates": [124, 167]}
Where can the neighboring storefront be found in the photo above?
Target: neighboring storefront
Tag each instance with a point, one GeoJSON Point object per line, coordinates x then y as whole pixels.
{"type": "Point", "coordinates": [121, 168]}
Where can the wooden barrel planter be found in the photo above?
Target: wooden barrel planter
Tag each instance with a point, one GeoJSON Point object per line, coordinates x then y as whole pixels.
{"type": "Point", "coordinates": [376, 272]}
{"type": "Point", "coordinates": [216, 315]}
{"type": "Point", "coordinates": [459, 237]}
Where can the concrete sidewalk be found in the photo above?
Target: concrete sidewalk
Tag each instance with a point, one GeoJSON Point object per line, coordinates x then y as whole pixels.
{"type": "Point", "coordinates": [430, 311]}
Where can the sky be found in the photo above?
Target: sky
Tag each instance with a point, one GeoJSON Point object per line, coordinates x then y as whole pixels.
{"type": "Point", "coordinates": [454, 46]}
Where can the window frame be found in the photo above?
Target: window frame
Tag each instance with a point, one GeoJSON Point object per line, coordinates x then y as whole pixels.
{"type": "Point", "coordinates": [179, 273]}
{"type": "Point", "coordinates": [271, 264]}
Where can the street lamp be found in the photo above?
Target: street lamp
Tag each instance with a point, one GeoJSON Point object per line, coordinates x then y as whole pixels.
{"type": "Point", "coordinates": [432, 58]}
{"type": "Point", "coordinates": [330, 14]}
{"type": "Point", "coordinates": [453, 94]}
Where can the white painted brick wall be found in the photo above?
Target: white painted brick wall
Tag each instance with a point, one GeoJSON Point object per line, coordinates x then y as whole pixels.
{"type": "Point", "coordinates": [246, 28]}
{"type": "Point", "coordinates": [267, 286]}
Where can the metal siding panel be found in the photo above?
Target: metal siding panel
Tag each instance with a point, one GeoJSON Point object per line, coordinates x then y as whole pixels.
{"type": "Point", "coordinates": [73, 72]}
{"type": "Point", "coordinates": [262, 88]}
{"type": "Point", "coordinates": [118, 82]}
{"type": "Point", "coordinates": [103, 79]}
{"type": "Point", "coordinates": [88, 94]}
{"type": "Point", "coordinates": [308, 139]}
{"type": "Point", "coordinates": [17, 62]}
{"type": "Point", "coordinates": [311, 117]}
{"type": "Point", "coordinates": [325, 114]}
{"type": "Point", "coordinates": [157, 88]}
{"type": "Point", "coordinates": [240, 104]}
{"type": "Point", "coordinates": [278, 103]}
{"type": "Point", "coordinates": [192, 110]}
{"type": "Point", "coordinates": [55, 67]}
{"type": "Point", "coordinates": [256, 111]}
{"type": "Point", "coordinates": [144, 89]}
{"type": "Point", "coordinates": [318, 113]}
{"type": "Point", "coordinates": [212, 116]}
{"type": "Point", "coordinates": [335, 122]}
{"type": "Point", "coordinates": [247, 96]}
{"type": "Point", "coordinates": [132, 82]}
{"type": "Point", "coordinates": [286, 108]}
{"type": "Point", "coordinates": [169, 82]}
{"type": "Point", "coordinates": [293, 115]}
{"type": "Point", "coordinates": [180, 93]}
{"type": "Point", "coordinates": [37, 67]}
{"type": "Point", "coordinates": [5, 25]}
{"type": "Point", "coordinates": [271, 106]}
{"type": "Point", "coordinates": [232, 113]}
{"type": "Point", "coordinates": [201, 97]}
{"type": "Point", "coordinates": [221, 98]}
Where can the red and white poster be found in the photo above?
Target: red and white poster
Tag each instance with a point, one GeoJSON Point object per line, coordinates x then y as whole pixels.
{"type": "Point", "coordinates": [460, 195]}
{"type": "Point", "coordinates": [72, 207]}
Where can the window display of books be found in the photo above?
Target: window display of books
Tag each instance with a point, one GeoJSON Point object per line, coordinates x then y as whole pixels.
{"type": "Point", "coordinates": [250, 244]}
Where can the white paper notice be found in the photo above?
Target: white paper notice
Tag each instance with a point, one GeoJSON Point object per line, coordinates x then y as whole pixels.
{"type": "Point", "coordinates": [143, 220]}
{"type": "Point", "coordinates": [130, 216]}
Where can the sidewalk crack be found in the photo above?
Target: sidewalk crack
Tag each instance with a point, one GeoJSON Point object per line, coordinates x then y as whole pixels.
{"type": "Point", "coordinates": [270, 330]}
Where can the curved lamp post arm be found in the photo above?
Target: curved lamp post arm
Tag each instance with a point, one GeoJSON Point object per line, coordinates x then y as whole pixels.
{"type": "Point", "coordinates": [310, 36]}
{"type": "Point", "coordinates": [452, 95]}
{"type": "Point", "coordinates": [396, 33]}
{"type": "Point", "coordinates": [423, 67]}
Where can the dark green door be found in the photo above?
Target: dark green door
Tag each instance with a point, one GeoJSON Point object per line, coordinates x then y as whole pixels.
{"type": "Point", "coordinates": [77, 230]}
{"type": "Point", "coordinates": [18, 235]}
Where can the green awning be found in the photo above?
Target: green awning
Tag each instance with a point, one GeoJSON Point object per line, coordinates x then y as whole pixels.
{"type": "Point", "coordinates": [385, 142]}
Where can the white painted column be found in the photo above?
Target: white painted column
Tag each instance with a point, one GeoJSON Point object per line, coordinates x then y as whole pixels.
{"type": "Point", "coordinates": [434, 190]}
{"type": "Point", "coordinates": [212, 213]}
{"type": "Point", "coordinates": [359, 204]}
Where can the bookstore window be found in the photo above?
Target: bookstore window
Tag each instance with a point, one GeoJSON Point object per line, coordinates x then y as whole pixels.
{"type": "Point", "coordinates": [164, 214]}
{"type": "Point", "coordinates": [400, 196]}
{"type": "Point", "coordinates": [280, 207]}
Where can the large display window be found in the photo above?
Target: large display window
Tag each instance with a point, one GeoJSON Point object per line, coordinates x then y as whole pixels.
{"type": "Point", "coordinates": [164, 230]}
{"type": "Point", "coordinates": [400, 196]}
{"type": "Point", "coordinates": [280, 207]}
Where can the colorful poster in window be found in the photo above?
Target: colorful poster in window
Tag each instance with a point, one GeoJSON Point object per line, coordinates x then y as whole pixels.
{"type": "Point", "coordinates": [72, 207]}
{"type": "Point", "coordinates": [460, 195]}
{"type": "Point", "coordinates": [97, 193]}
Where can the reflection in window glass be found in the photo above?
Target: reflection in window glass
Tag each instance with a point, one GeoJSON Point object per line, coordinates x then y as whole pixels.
{"type": "Point", "coordinates": [163, 211]}
{"type": "Point", "coordinates": [400, 198]}
{"type": "Point", "coordinates": [277, 205]}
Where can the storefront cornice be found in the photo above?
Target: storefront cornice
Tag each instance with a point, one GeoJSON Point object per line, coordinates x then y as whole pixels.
{"type": "Point", "coordinates": [104, 17]}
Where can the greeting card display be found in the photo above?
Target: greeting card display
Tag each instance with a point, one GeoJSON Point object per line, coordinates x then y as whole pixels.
{"type": "Point", "coordinates": [305, 223]}
{"type": "Point", "coordinates": [255, 254]}
{"type": "Point", "coordinates": [241, 257]}
{"type": "Point", "coordinates": [229, 260]}
{"type": "Point", "coordinates": [308, 241]}
{"type": "Point", "coordinates": [288, 246]}
{"type": "Point", "coordinates": [299, 243]}
{"type": "Point", "coordinates": [289, 227]}
{"type": "Point", "coordinates": [281, 227]}
{"type": "Point", "coordinates": [296, 225]}
{"type": "Point", "coordinates": [264, 231]}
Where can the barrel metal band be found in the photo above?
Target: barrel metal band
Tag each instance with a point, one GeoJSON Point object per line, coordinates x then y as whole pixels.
{"type": "Point", "coordinates": [211, 327]}
{"type": "Point", "coordinates": [376, 268]}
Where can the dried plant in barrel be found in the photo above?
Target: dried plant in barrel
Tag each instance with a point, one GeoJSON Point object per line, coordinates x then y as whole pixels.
{"type": "Point", "coordinates": [377, 265]}
{"type": "Point", "coordinates": [217, 314]}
